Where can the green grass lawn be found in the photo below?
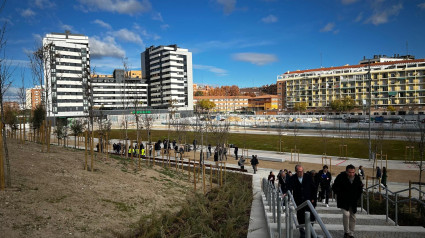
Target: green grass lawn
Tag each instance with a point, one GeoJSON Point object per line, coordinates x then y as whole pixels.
{"type": "Point", "coordinates": [357, 148]}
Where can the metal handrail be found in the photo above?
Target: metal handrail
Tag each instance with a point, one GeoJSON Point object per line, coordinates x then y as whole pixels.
{"type": "Point", "coordinates": [395, 202]}
{"type": "Point", "coordinates": [315, 214]}
{"type": "Point", "coordinates": [290, 212]}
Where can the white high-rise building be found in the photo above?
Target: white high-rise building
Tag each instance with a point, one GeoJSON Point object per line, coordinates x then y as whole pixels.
{"type": "Point", "coordinates": [168, 71]}
{"type": "Point", "coordinates": [66, 74]}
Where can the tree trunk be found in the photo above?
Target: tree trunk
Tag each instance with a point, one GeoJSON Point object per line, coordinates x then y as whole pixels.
{"type": "Point", "coordinates": [6, 150]}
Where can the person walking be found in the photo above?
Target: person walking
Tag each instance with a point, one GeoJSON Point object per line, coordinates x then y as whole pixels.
{"type": "Point", "coordinates": [348, 188]}
{"type": "Point", "coordinates": [361, 172]}
{"type": "Point", "coordinates": [216, 158]}
{"type": "Point", "coordinates": [281, 178]}
{"type": "Point", "coordinates": [241, 162]}
{"type": "Point", "coordinates": [378, 174]}
{"type": "Point", "coordinates": [209, 151]}
{"type": "Point", "coordinates": [254, 163]}
{"type": "Point", "coordinates": [325, 179]}
{"type": "Point", "coordinates": [225, 151]}
{"type": "Point", "coordinates": [236, 150]}
{"type": "Point", "coordinates": [303, 189]}
{"type": "Point", "coordinates": [272, 178]}
{"type": "Point", "coordinates": [384, 176]}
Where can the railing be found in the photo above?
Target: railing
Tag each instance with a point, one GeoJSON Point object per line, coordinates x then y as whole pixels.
{"type": "Point", "coordinates": [289, 210]}
{"type": "Point", "coordinates": [395, 202]}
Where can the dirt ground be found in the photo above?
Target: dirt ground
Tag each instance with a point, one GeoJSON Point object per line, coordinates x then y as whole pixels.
{"type": "Point", "coordinates": [53, 196]}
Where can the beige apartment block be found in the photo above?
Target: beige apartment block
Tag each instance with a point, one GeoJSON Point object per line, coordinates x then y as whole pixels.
{"type": "Point", "coordinates": [226, 103]}
{"type": "Point", "coordinates": [397, 82]}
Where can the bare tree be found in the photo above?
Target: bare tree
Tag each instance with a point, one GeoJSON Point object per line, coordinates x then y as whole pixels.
{"type": "Point", "coordinates": [104, 127]}
{"type": "Point", "coordinates": [6, 72]}
{"type": "Point", "coordinates": [324, 135]}
{"type": "Point", "coordinates": [125, 102]}
{"type": "Point", "coordinates": [77, 128]}
{"type": "Point", "coordinates": [88, 95]}
{"type": "Point", "coordinates": [280, 133]}
{"type": "Point", "coordinates": [418, 141]}
{"type": "Point", "coordinates": [219, 131]}
{"type": "Point", "coordinates": [22, 100]}
{"type": "Point", "coordinates": [147, 122]}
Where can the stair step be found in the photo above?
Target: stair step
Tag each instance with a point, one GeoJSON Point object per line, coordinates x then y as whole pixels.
{"type": "Point", "coordinates": [367, 231]}
{"type": "Point", "coordinates": [359, 221]}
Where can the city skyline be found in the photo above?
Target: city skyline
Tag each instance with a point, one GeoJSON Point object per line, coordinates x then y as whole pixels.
{"type": "Point", "coordinates": [245, 43]}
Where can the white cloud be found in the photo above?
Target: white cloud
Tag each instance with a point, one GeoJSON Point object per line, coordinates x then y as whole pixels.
{"type": "Point", "coordinates": [213, 69]}
{"type": "Point", "coordinates": [382, 15]}
{"type": "Point", "coordinates": [128, 36]}
{"type": "Point", "coordinates": [105, 48]}
{"type": "Point", "coordinates": [18, 63]}
{"type": "Point", "coordinates": [329, 27]}
{"type": "Point", "coordinates": [422, 6]}
{"type": "Point", "coordinates": [44, 4]}
{"type": "Point", "coordinates": [66, 27]}
{"type": "Point", "coordinates": [255, 58]}
{"type": "Point", "coordinates": [27, 13]}
{"type": "Point", "coordinates": [238, 43]}
{"type": "Point", "coordinates": [157, 17]}
{"type": "Point", "coordinates": [7, 21]}
{"type": "Point", "coordinates": [150, 35]}
{"type": "Point", "coordinates": [144, 33]}
{"type": "Point", "coordinates": [359, 17]}
{"type": "Point", "coordinates": [120, 6]}
{"type": "Point", "coordinates": [269, 19]}
{"type": "Point", "coordinates": [37, 38]}
{"type": "Point", "coordinates": [165, 26]}
{"type": "Point", "coordinates": [102, 24]}
{"type": "Point", "coordinates": [228, 5]}
{"type": "Point", "coordinates": [346, 2]}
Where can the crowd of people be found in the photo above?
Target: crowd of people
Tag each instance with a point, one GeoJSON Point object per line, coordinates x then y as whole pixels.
{"type": "Point", "coordinates": [317, 186]}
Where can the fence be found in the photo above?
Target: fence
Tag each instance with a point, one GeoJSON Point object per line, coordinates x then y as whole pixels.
{"type": "Point", "coordinates": [387, 196]}
{"type": "Point", "coordinates": [289, 209]}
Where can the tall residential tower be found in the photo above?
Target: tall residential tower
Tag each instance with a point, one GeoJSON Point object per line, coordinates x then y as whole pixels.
{"type": "Point", "coordinates": [66, 74]}
{"type": "Point", "coordinates": [168, 71]}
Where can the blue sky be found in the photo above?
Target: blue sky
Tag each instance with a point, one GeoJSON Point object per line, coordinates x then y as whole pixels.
{"type": "Point", "coordinates": [246, 43]}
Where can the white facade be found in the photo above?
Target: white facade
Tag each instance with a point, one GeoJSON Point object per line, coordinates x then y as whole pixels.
{"type": "Point", "coordinates": [28, 101]}
{"type": "Point", "coordinates": [118, 92]}
{"type": "Point", "coordinates": [168, 70]}
{"type": "Point", "coordinates": [66, 75]}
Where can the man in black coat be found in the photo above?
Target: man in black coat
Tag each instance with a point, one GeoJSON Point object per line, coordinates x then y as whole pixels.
{"type": "Point", "coordinates": [302, 187]}
{"type": "Point", "coordinates": [325, 179]}
{"type": "Point", "coordinates": [348, 188]}
{"type": "Point", "coordinates": [254, 163]}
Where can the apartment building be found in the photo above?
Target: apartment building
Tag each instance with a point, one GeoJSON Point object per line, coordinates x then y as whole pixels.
{"type": "Point", "coordinates": [263, 103]}
{"type": "Point", "coordinates": [397, 81]}
{"type": "Point", "coordinates": [119, 91]}
{"type": "Point", "coordinates": [33, 97]}
{"type": "Point", "coordinates": [226, 103]}
{"type": "Point", "coordinates": [168, 70]}
{"type": "Point", "coordinates": [66, 74]}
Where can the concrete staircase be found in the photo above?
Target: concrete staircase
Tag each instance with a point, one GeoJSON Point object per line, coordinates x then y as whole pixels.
{"type": "Point", "coordinates": [367, 226]}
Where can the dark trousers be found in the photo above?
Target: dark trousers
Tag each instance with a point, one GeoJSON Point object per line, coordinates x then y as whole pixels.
{"type": "Point", "coordinates": [324, 194]}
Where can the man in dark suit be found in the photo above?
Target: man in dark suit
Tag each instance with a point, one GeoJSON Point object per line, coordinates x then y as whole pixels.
{"type": "Point", "coordinates": [302, 187]}
{"type": "Point", "coordinates": [348, 188]}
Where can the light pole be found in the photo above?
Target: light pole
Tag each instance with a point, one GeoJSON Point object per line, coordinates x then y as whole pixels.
{"type": "Point", "coordinates": [370, 105]}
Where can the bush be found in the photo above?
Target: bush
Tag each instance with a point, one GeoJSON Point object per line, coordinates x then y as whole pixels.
{"type": "Point", "coordinates": [222, 212]}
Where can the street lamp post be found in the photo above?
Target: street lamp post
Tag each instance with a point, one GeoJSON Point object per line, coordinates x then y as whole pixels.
{"type": "Point", "coordinates": [370, 105]}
